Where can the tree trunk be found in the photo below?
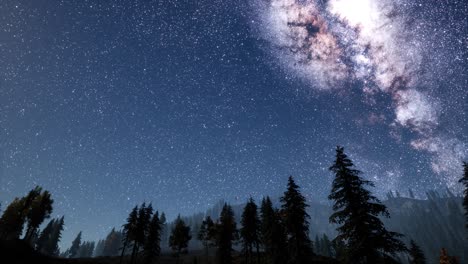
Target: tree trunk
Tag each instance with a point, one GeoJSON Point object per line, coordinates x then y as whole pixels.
{"type": "Point", "coordinates": [133, 252]}
{"type": "Point", "coordinates": [123, 251]}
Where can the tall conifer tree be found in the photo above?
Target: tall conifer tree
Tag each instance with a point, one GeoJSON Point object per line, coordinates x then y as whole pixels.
{"type": "Point", "coordinates": [357, 212]}
{"type": "Point", "coordinates": [180, 237]}
{"type": "Point", "coordinates": [272, 233]}
{"type": "Point", "coordinates": [12, 220]}
{"type": "Point", "coordinates": [152, 246]}
{"type": "Point", "coordinates": [44, 237]}
{"type": "Point", "coordinates": [75, 247]}
{"type": "Point", "coordinates": [226, 233]}
{"type": "Point", "coordinates": [50, 237]}
{"type": "Point", "coordinates": [250, 231]}
{"type": "Point", "coordinates": [129, 230]}
{"type": "Point", "coordinates": [40, 209]}
{"type": "Point", "coordinates": [206, 234]}
{"type": "Point", "coordinates": [112, 243]}
{"type": "Point", "coordinates": [296, 220]}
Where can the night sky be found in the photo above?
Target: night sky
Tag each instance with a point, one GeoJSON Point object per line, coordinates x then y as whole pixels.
{"type": "Point", "coordinates": [182, 103]}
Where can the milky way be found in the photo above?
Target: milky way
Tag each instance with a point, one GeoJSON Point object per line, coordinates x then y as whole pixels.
{"type": "Point", "coordinates": [375, 44]}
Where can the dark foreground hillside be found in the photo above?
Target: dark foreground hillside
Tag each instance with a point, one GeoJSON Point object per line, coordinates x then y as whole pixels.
{"type": "Point", "coordinates": [19, 252]}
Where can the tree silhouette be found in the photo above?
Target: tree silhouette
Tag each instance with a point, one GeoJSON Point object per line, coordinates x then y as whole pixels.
{"type": "Point", "coordinates": [98, 251]}
{"type": "Point", "coordinates": [34, 207]}
{"type": "Point", "coordinates": [12, 220]}
{"type": "Point", "coordinates": [180, 236]}
{"type": "Point", "coordinates": [356, 210]}
{"type": "Point", "coordinates": [207, 233]}
{"type": "Point", "coordinates": [76, 243]}
{"type": "Point", "coordinates": [340, 251]}
{"type": "Point", "coordinates": [50, 237]}
{"type": "Point", "coordinates": [56, 236]}
{"type": "Point", "coordinates": [295, 217]}
{"type": "Point", "coordinates": [323, 245]}
{"type": "Point", "coordinates": [417, 256]}
{"type": "Point", "coordinates": [86, 249]}
{"type": "Point", "coordinates": [272, 233]}
{"type": "Point", "coordinates": [250, 231]}
{"type": "Point", "coordinates": [144, 216]}
{"type": "Point", "coordinates": [164, 238]}
{"type": "Point", "coordinates": [226, 232]}
{"type": "Point", "coordinates": [44, 237]}
{"type": "Point", "coordinates": [40, 209]}
{"type": "Point", "coordinates": [112, 243]}
{"type": "Point", "coordinates": [327, 248]}
{"type": "Point", "coordinates": [152, 246]}
{"type": "Point", "coordinates": [464, 181]}
{"type": "Point", "coordinates": [129, 230]}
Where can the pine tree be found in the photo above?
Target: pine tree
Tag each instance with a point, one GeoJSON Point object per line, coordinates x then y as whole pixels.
{"type": "Point", "coordinates": [144, 216]}
{"type": "Point", "coordinates": [139, 232]}
{"type": "Point", "coordinates": [33, 238]}
{"type": "Point", "coordinates": [56, 236]}
{"type": "Point", "coordinates": [34, 207]}
{"type": "Point", "coordinates": [152, 247]}
{"type": "Point", "coordinates": [296, 221]}
{"type": "Point", "coordinates": [40, 209]}
{"type": "Point", "coordinates": [250, 231]}
{"type": "Point", "coordinates": [65, 254]}
{"type": "Point", "coordinates": [417, 256]}
{"type": "Point", "coordinates": [164, 238]}
{"type": "Point", "coordinates": [12, 220]}
{"type": "Point", "coordinates": [112, 243]}
{"type": "Point", "coordinates": [76, 243]}
{"type": "Point", "coordinates": [206, 233]}
{"type": "Point", "coordinates": [226, 233]}
{"type": "Point", "coordinates": [340, 251]}
{"type": "Point", "coordinates": [464, 181]}
{"type": "Point", "coordinates": [45, 235]}
{"type": "Point", "coordinates": [272, 233]}
{"type": "Point", "coordinates": [129, 230]}
{"type": "Point", "coordinates": [326, 246]}
{"type": "Point", "coordinates": [317, 245]}
{"type": "Point", "coordinates": [356, 210]}
{"type": "Point", "coordinates": [180, 237]}
{"type": "Point", "coordinates": [98, 251]}
{"type": "Point", "coordinates": [50, 237]}
{"type": "Point", "coordinates": [86, 250]}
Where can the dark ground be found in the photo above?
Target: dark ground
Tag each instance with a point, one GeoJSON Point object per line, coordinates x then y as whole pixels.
{"type": "Point", "coordinates": [19, 252]}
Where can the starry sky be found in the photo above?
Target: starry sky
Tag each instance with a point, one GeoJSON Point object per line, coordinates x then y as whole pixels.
{"type": "Point", "coordinates": [182, 103]}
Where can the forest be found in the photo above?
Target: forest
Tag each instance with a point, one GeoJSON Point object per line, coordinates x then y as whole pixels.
{"type": "Point", "coordinates": [356, 227]}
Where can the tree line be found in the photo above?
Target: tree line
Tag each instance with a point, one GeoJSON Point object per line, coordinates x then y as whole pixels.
{"type": "Point", "coordinates": [266, 234]}
{"type": "Point", "coordinates": [28, 213]}
{"type": "Point", "coordinates": [281, 235]}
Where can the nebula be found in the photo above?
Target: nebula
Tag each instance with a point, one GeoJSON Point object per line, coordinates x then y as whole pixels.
{"type": "Point", "coordinates": [366, 42]}
{"type": "Point", "coordinates": [416, 110]}
{"type": "Point", "coordinates": [341, 41]}
{"type": "Point", "coordinates": [305, 42]}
